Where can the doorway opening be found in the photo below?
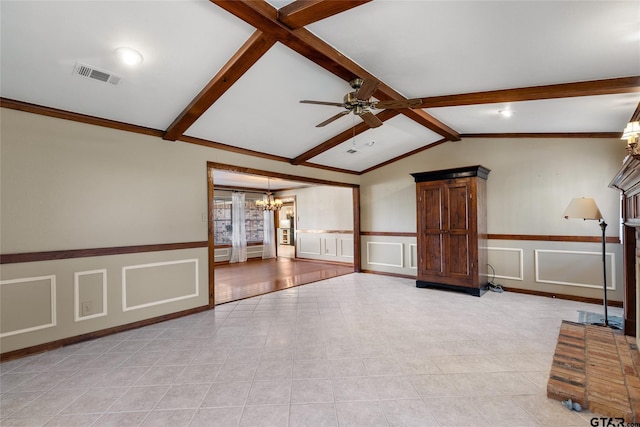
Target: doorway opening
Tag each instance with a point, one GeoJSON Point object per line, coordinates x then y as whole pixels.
{"type": "Point", "coordinates": [304, 255]}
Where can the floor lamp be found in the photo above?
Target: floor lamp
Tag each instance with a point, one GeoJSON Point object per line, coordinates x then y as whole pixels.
{"type": "Point", "coordinates": [585, 208]}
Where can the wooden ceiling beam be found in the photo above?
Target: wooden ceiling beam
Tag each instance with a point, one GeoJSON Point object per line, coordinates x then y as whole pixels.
{"type": "Point", "coordinates": [252, 50]}
{"type": "Point", "coordinates": [563, 90]}
{"type": "Point", "coordinates": [341, 137]}
{"type": "Point", "coordinates": [305, 43]}
{"type": "Point", "coordinates": [304, 12]}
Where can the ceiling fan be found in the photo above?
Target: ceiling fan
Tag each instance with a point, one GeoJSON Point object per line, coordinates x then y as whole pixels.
{"type": "Point", "coordinates": [359, 102]}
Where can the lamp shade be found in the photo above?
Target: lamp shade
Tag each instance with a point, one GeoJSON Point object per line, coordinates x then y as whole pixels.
{"type": "Point", "coordinates": [583, 208]}
{"type": "Point", "coordinates": [631, 131]}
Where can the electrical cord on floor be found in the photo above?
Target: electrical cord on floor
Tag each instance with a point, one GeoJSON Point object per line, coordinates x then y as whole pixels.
{"type": "Point", "coordinates": [492, 285]}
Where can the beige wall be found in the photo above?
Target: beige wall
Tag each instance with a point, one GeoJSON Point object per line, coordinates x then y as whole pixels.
{"type": "Point", "coordinates": [66, 185]}
{"type": "Point", "coordinates": [531, 183]}
{"type": "Point", "coordinates": [321, 212]}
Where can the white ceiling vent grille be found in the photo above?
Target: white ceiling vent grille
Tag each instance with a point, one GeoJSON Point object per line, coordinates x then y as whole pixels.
{"type": "Point", "coordinates": [91, 72]}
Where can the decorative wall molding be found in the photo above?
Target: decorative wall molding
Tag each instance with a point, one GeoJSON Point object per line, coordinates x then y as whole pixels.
{"type": "Point", "coordinates": [77, 315]}
{"type": "Point", "coordinates": [346, 248]}
{"type": "Point", "coordinates": [331, 246]}
{"type": "Point", "coordinates": [52, 295]}
{"type": "Point", "coordinates": [553, 238]}
{"type": "Point", "coordinates": [611, 278]}
{"type": "Point", "coordinates": [413, 249]}
{"type": "Point", "coordinates": [84, 253]}
{"type": "Point", "coordinates": [520, 252]}
{"type": "Point", "coordinates": [400, 254]}
{"type": "Point", "coordinates": [307, 243]}
{"type": "Point", "coordinates": [126, 307]}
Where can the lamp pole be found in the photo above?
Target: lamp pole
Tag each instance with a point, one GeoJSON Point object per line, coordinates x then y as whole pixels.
{"type": "Point", "coordinates": [603, 225]}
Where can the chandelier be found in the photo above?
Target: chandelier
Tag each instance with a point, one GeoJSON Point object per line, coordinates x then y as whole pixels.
{"type": "Point", "coordinates": [271, 203]}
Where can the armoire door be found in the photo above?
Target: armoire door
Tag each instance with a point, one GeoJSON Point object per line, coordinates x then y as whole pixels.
{"type": "Point", "coordinates": [459, 233]}
{"type": "Point", "coordinates": [431, 214]}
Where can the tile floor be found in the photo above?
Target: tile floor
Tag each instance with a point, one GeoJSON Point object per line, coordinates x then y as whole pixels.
{"type": "Point", "coordinates": [358, 350]}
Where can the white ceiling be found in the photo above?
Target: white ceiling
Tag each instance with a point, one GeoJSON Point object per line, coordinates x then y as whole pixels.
{"type": "Point", "coordinates": [419, 48]}
{"type": "Point", "coordinates": [243, 181]}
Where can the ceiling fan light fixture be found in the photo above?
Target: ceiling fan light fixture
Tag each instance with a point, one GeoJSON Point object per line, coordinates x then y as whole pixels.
{"type": "Point", "coordinates": [129, 56]}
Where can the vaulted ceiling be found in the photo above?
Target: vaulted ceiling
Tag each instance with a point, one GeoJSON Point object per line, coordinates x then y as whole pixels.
{"type": "Point", "coordinates": [230, 74]}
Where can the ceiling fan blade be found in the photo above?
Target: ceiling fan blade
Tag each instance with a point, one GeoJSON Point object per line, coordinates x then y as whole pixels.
{"type": "Point", "coordinates": [334, 104]}
{"type": "Point", "coordinates": [366, 90]}
{"type": "Point", "coordinates": [371, 119]}
{"type": "Point", "coordinates": [336, 117]}
{"type": "Point", "coordinates": [398, 103]}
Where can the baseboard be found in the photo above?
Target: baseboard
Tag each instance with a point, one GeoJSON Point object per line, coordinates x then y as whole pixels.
{"type": "Point", "coordinates": [563, 296]}
{"type": "Point", "coordinates": [41, 348]}
{"type": "Point", "coordinates": [521, 291]}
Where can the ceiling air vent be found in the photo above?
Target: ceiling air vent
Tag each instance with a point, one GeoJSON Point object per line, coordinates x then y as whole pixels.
{"type": "Point", "coordinates": [352, 151]}
{"type": "Point", "coordinates": [91, 72]}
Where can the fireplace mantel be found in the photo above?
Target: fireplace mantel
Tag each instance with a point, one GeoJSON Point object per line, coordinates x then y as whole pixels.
{"type": "Point", "coordinates": [627, 180]}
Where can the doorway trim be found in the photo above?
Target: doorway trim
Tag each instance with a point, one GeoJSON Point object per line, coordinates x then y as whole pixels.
{"type": "Point", "coordinates": [211, 166]}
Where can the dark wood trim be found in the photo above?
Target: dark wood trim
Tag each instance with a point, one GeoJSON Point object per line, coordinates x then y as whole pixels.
{"type": "Point", "coordinates": [211, 253]}
{"type": "Point", "coordinates": [357, 257]}
{"type": "Point", "coordinates": [244, 189]}
{"type": "Point", "coordinates": [563, 296]}
{"type": "Point", "coordinates": [384, 273]}
{"type": "Point", "coordinates": [84, 253]}
{"type": "Point", "coordinates": [263, 16]}
{"type": "Point", "coordinates": [231, 148]}
{"type": "Point", "coordinates": [341, 137]}
{"type": "Point", "coordinates": [248, 244]}
{"type": "Point", "coordinates": [329, 168]}
{"type": "Point", "coordinates": [288, 177]}
{"type": "Point", "coordinates": [553, 238]}
{"type": "Point", "coordinates": [249, 53]}
{"type": "Point", "coordinates": [405, 155]}
{"type": "Point", "coordinates": [326, 231]}
{"type": "Point", "coordinates": [583, 135]}
{"type": "Point", "coordinates": [81, 118]}
{"type": "Point", "coordinates": [389, 233]}
{"type": "Point", "coordinates": [76, 117]}
{"type": "Point", "coordinates": [540, 238]}
{"type": "Point", "coordinates": [636, 114]}
{"type": "Point", "coordinates": [563, 90]}
{"type": "Point", "coordinates": [520, 291]}
{"type": "Point", "coordinates": [304, 12]}
{"type": "Point", "coordinates": [40, 348]}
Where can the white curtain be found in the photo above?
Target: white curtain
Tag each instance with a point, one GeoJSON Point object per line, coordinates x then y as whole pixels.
{"type": "Point", "coordinates": [238, 233]}
{"type": "Point", "coordinates": [269, 242]}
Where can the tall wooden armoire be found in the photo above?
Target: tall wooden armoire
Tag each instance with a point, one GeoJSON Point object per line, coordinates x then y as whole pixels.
{"type": "Point", "coordinates": [452, 229]}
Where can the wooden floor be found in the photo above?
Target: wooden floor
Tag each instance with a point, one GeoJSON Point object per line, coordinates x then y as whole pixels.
{"type": "Point", "coordinates": [251, 278]}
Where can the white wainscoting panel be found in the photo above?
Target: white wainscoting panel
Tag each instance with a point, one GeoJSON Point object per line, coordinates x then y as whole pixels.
{"type": "Point", "coordinates": [346, 248]}
{"type": "Point", "coordinates": [574, 268]}
{"type": "Point", "coordinates": [127, 269]}
{"type": "Point", "coordinates": [222, 254]}
{"type": "Point", "coordinates": [413, 256]}
{"type": "Point", "coordinates": [309, 245]}
{"type": "Point", "coordinates": [385, 253]}
{"type": "Point", "coordinates": [331, 246]}
{"type": "Point", "coordinates": [51, 322]}
{"type": "Point", "coordinates": [508, 263]}
{"type": "Point", "coordinates": [77, 301]}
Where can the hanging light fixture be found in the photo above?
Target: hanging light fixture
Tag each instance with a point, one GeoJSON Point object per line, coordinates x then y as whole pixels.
{"type": "Point", "coordinates": [271, 203]}
{"type": "Point", "coordinates": [631, 135]}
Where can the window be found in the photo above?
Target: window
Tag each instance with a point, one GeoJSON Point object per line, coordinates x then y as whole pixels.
{"type": "Point", "coordinates": [254, 221]}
